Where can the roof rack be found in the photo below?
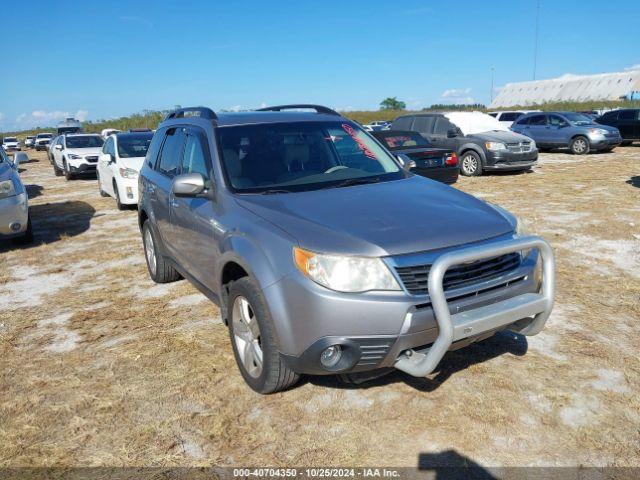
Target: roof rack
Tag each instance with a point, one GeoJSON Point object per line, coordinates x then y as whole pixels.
{"type": "Point", "coordinates": [203, 112]}
{"type": "Point", "coordinates": [317, 108]}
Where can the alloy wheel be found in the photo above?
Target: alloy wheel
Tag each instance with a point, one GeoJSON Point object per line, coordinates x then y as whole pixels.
{"type": "Point", "coordinates": [579, 145]}
{"type": "Point", "coordinates": [469, 164]}
{"type": "Point", "coordinates": [246, 335]}
{"type": "Point", "coordinates": [150, 251]}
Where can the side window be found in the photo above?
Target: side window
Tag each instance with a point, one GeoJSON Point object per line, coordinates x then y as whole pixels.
{"type": "Point", "coordinates": [556, 121]}
{"type": "Point", "coordinates": [195, 156]}
{"type": "Point", "coordinates": [523, 121]}
{"type": "Point", "coordinates": [627, 115]}
{"type": "Point", "coordinates": [402, 123]}
{"type": "Point", "coordinates": [494, 114]}
{"type": "Point", "coordinates": [105, 147]}
{"type": "Point", "coordinates": [154, 148]}
{"type": "Point", "coordinates": [443, 126]}
{"type": "Point", "coordinates": [171, 154]}
{"type": "Point", "coordinates": [423, 124]}
{"type": "Point", "coordinates": [538, 120]}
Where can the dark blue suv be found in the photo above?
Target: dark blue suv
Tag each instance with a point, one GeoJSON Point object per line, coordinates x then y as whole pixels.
{"type": "Point", "coordinates": [571, 130]}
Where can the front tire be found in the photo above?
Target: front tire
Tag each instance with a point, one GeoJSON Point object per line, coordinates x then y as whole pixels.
{"type": "Point", "coordinates": [159, 269]}
{"type": "Point", "coordinates": [56, 170]}
{"type": "Point", "coordinates": [471, 164]}
{"type": "Point", "coordinates": [579, 146]}
{"type": "Point", "coordinates": [67, 174]}
{"type": "Point", "coordinates": [253, 340]}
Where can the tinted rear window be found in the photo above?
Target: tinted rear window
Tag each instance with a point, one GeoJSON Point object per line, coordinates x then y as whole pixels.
{"type": "Point", "coordinates": [403, 140]}
{"type": "Point", "coordinates": [510, 116]}
{"type": "Point", "coordinates": [423, 124]}
{"type": "Point", "coordinates": [403, 123]}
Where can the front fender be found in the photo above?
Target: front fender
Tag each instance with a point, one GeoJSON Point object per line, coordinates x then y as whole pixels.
{"type": "Point", "coordinates": [476, 148]}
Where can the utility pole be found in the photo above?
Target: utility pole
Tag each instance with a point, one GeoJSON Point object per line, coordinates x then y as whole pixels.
{"type": "Point", "coordinates": [492, 69]}
{"type": "Point", "coordinates": [535, 41]}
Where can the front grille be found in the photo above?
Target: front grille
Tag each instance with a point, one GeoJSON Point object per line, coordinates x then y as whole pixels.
{"type": "Point", "coordinates": [91, 159]}
{"type": "Point", "coordinates": [520, 147]}
{"type": "Point", "coordinates": [415, 278]}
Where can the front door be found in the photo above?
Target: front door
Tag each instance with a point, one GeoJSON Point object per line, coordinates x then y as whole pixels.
{"type": "Point", "coordinates": [193, 219]}
{"type": "Point", "coordinates": [160, 184]}
{"type": "Point", "coordinates": [536, 128]}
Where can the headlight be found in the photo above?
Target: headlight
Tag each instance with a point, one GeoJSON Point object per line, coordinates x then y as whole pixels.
{"type": "Point", "coordinates": [495, 146]}
{"type": "Point", "coordinates": [533, 144]}
{"type": "Point", "coordinates": [73, 156]}
{"type": "Point", "coordinates": [7, 189]}
{"type": "Point", "coordinates": [128, 173]}
{"type": "Point", "coordinates": [345, 274]}
{"type": "Point", "coordinates": [597, 131]}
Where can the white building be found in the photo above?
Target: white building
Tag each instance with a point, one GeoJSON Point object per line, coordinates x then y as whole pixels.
{"type": "Point", "coordinates": [570, 88]}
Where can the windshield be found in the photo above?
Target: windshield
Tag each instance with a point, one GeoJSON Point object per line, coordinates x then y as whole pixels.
{"type": "Point", "coordinates": [395, 141]}
{"type": "Point", "coordinates": [578, 118]}
{"type": "Point", "coordinates": [84, 141]}
{"type": "Point", "coordinates": [130, 146]}
{"type": "Point", "coordinates": [44, 135]}
{"type": "Point", "coordinates": [10, 139]}
{"type": "Point", "coordinates": [302, 156]}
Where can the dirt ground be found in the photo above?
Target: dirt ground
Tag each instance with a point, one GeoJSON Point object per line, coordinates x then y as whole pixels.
{"type": "Point", "coordinates": [100, 367]}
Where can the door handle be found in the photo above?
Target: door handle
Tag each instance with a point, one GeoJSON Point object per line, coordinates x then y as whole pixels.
{"type": "Point", "coordinates": [174, 203]}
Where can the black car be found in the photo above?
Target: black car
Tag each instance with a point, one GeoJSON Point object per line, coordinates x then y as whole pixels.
{"type": "Point", "coordinates": [478, 151]}
{"type": "Point", "coordinates": [436, 163]}
{"type": "Point", "coordinates": [627, 120]}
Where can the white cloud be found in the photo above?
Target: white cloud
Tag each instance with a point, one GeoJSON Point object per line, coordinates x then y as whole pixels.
{"type": "Point", "coordinates": [456, 92]}
{"type": "Point", "coordinates": [44, 118]}
{"type": "Point", "coordinates": [458, 96]}
{"type": "Point", "coordinates": [633, 67]}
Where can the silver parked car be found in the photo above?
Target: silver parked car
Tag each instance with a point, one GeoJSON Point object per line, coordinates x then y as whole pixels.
{"type": "Point", "coordinates": [14, 207]}
{"type": "Point", "coordinates": [324, 254]}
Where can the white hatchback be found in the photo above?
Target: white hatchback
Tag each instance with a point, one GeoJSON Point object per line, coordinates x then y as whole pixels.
{"type": "Point", "coordinates": [119, 165]}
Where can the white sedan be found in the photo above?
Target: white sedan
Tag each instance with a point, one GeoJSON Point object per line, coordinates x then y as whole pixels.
{"type": "Point", "coordinates": [119, 165]}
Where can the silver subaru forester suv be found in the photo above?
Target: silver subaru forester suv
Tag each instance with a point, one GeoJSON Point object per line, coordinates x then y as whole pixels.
{"type": "Point", "coordinates": [324, 254]}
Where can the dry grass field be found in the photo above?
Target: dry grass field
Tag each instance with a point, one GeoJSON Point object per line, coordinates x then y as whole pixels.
{"type": "Point", "coordinates": [100, 367]}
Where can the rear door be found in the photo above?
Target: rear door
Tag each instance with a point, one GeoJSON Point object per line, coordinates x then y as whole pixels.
{"type": "Point", "coordinates": [627, 123]}
{"type": "Point", "coordinates": [193, 218]}
{"type": "Point", "coordinates": [536, 128]}
{"type": "Point", "coordinates": [159, 183]}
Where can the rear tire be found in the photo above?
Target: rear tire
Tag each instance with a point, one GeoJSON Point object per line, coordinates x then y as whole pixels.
{"type": "Point", "coordinates": [159, 269]}
{"type": "Point", "coordinates": [253, 340]}
{"type": "Point", "coordinates": [579, 146]}
{"type": "Point", "coordinates": [471, 164]}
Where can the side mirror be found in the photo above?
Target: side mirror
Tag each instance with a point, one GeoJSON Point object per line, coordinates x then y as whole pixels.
{"type": "Point", "coordinates": [406, 161]}
{"type": "Point", "coordinates": [451, 133]}
{"type": "Point", "coordinates": [58, 147]}
{"type": "Point", "coordinates": [188, 185]}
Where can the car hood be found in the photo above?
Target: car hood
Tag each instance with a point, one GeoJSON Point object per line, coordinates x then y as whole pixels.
{"type": "Point", "coordinates": [390, 218]}
{"type": "Point", "coordinates": [134, 163]}
{"type": "Point", "coordinates": [504, 137]}
{"type": "Point", "coordinates": [85, 151]}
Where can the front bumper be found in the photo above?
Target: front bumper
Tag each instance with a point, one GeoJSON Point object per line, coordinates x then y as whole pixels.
{"type": "Point", "coordinates": [603, 142]}
{"type": "Point", "coordinates": [14, 215]}
{"type": "Point", "coordinates": [82, 168]}
{"type": "Point", "coordinates": [42, 146]}
{"type": "Point", "coordinates": [375, 329]}
{"type": "Point", "coordinates": [128, 190]}
{"type": "Point", "coordinates": [506, 160]}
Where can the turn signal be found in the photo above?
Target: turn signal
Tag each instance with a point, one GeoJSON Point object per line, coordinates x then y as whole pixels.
{"type": "Point", "coordinates": [452, 159]}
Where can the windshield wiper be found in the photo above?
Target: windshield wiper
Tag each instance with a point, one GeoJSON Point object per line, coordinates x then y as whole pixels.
{"type": "Point", "coordinates": [356, 181]}
{"type": "Point", "coordinates": [274, 191]}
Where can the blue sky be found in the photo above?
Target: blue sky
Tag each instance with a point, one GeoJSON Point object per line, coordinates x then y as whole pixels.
{"type": "Point", "coordinates": [102, 59]}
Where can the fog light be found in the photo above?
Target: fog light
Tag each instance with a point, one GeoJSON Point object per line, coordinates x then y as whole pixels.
{"type": "Point", "coordinates": [15, 226]}
{"type": "Point", "coordinates": [129, 192]}
{"type": "Point", "coordinates": [331, 356]}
